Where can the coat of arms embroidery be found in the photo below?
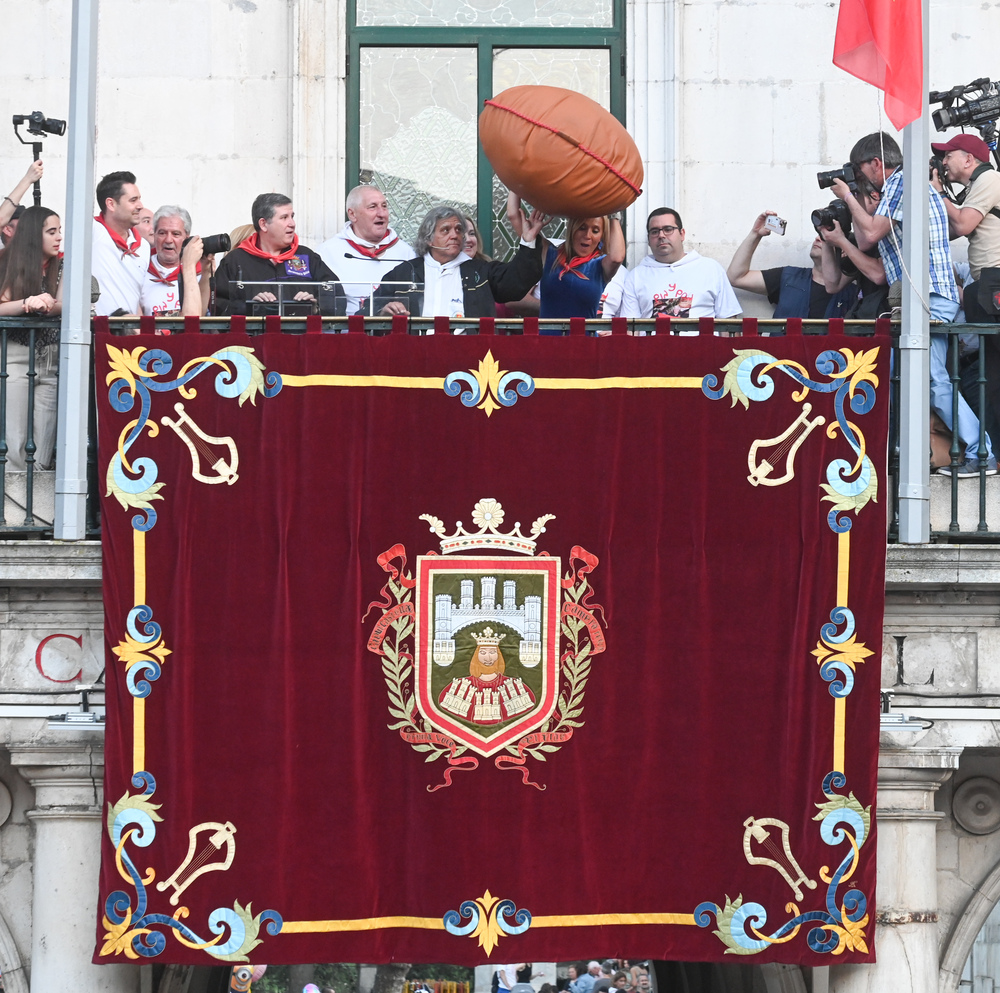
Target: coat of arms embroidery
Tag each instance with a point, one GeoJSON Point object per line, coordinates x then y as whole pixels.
{"type": "Point", "coordinates": [486, 650]}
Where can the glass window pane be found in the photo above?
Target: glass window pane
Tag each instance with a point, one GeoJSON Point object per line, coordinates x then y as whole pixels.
{"type": "Point", "coordinates": [586, 71]}
{"type": "Point", "coordinates": [419, 134]}
{"type": "Point", "coordinates": [488, 13]}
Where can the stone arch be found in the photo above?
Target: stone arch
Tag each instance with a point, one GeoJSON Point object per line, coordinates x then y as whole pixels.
{"type": "Point", "coordinates": [967, 926]}
{"type": "Point", "coordinates": [15, 978]}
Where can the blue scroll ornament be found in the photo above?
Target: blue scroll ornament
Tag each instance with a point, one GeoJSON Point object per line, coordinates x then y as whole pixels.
{"type": "Point", "coordinates": [834, 929]}
{"type": "Point", "coordinates": [850, 485]}
{"type": "Point", "coordinates": [134, 932]}
{"type": "Point", "coordinates": [134, 482]}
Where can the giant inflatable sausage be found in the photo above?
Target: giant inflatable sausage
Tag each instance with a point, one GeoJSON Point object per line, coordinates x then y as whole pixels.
{"type": "Point", "coordinates": [561, 151]}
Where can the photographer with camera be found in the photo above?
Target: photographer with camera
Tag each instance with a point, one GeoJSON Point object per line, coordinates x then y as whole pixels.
{"type": "Point", "coordinates": [966, 160]}
{"type": "Point", "coordinates": [864, 267]}
{"type": "Point", "coordinates": [176, 260]}
{"type": "Point", "coordinates": [877, 157]}
{"type": "Point", "coordinates": [796, 291]}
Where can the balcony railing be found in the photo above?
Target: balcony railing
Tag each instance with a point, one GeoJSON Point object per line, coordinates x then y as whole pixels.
{"type": "Point", "coordinates": [962, 509]}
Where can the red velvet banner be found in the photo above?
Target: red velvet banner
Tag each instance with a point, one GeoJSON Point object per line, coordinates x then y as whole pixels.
{"type": "Point", "coordinates": [467, 648]}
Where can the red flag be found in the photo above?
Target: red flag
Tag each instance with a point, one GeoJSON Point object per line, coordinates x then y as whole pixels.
{"type": "Point", "coordinates": [881, 42]}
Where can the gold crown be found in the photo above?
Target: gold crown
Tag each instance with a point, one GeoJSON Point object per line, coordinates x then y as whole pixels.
{"type": "Point", "coordinates": [488, 637]}
{"type": "Point", "coordinates": [488, 515]}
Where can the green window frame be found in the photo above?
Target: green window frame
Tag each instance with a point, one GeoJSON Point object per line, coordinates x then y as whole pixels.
{"type": "Point", "coordinates": [485, 40]}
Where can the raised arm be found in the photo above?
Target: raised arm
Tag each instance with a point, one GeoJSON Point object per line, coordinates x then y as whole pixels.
{"type": "Point", "coordinates": [8, 204]}
{"type": "Point", "coordinates": [739, 272]}
{"type": "Point", "coordinates": [615, 250]}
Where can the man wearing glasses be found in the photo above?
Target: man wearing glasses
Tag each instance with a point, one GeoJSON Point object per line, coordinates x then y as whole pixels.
{"type": "Point", "coordinates": [673, 282]}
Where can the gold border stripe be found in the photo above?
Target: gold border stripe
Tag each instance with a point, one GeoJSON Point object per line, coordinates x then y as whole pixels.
{"type": "Point", "coordinates": [843, 566]}
{"type": "Point", "coordinates": [839, 722]}
{"type": "Point", "coordinates": [437, 923]}
{"type": "Point", "coordinates": [363, 924]}
{"type": "Point", "coordinates": [139, 566]}
{"type": "Point", "coordinates": [138, 734]}
{"type": "Point", "coordinates": [430, 383]}
{"type": "Point", "coordinates": [138, 703]}
{"type": "Point", "coordinates": [590, 920]}
{"type": "Point", "coordinates": [400, 382]}
{"type": "Point", "coordinates": [622, 383]}
{"type": "Point", "coordinates": [840, 703]}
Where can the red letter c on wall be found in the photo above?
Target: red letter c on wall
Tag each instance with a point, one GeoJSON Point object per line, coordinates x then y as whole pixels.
{"type": "Point", "coordinates": [38, 657]}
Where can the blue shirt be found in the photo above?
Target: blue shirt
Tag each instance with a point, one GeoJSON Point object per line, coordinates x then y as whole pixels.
{"type": "Point", "coordinates": [577, 294]}
{"type": "Point", "coordinates": [891, 246]}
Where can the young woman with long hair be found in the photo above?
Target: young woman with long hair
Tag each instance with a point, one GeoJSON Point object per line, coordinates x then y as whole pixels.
{"type": "Point", "coordinates": [31, 283]}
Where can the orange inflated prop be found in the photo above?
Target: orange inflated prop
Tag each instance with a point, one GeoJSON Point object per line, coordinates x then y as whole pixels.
{"type": "Point", "coordinates": [563, 153]}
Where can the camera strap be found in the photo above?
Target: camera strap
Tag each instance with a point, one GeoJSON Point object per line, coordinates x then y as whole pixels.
{"type": "Point", "coordinates": [976, 173]}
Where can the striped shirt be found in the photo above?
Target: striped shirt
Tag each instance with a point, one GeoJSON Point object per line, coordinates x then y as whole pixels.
{"type": "Point", "coordinates": [891, 246]}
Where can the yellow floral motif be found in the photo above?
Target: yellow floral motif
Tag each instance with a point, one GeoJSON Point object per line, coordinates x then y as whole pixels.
{"type": "Point", "coordinates": [860, 367]}
{"type": "Point", "coordinates": [487, 930]}
{"type": "Point", "coordinates": [850, 652]}
{"type": "Point", "coordinates": [488, 377]}
{"type": "Point", "coordinates": [125, 365]}
{"type": "Point", "coordinates": [131, 651]}
{"type": "Point", "coordinates": [118, 937]}
{"type": "Point", "coordinates": [852, 935]}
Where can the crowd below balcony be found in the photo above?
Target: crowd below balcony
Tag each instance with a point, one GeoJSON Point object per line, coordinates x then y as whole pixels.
{"type": "Point", "coordinates": [151, 263]}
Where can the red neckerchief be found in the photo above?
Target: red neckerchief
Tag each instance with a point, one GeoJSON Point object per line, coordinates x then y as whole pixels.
{"type": "Point", "coordinates": [120, 243]}
{"type": "Point", "coordinates": [371, 253]}
{"type": "Point", "coordinates": [252, 246]}
{"type": "Point", "coordinates": [170, 277]}
{"type": "Point", "coordinates": [575, 263]}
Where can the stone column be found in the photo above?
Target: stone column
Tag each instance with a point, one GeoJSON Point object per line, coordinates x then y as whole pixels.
{"type": "Point", "coordinates": [906, 940]}
{"type": "Point", "coordinates": [67, 817]}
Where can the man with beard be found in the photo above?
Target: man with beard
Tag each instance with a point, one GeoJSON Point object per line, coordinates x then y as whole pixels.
{"type": "Point", "coordinates": [120, 255]}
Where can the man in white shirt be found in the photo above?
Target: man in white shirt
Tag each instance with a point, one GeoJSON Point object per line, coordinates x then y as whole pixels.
{"type": "Point", "coordinates": [674, 282]}
{"type": "Point", "coordinates": [366, 249]}
{"type": "Point", "coordinates": [161, 294]}
{"type": "Point", "coordinates": [120, 256]}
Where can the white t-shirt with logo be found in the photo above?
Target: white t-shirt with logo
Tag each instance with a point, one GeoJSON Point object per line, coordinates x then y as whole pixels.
{"type": "Point", "coordinates": [691, 287]}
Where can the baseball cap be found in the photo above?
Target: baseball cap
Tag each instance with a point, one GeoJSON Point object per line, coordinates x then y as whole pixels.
{"type": "Point", "coordinates": [965, 143]}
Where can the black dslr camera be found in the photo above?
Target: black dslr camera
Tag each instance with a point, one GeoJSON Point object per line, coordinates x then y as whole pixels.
{"type": "Point", "coordinates": [835, 210]}
{"type": "Point", "coordinates": [38, 124]}
{"type": "Point", "coordinates": [846, 173]}
{"type": "Point", "coordinates": [211, 244]}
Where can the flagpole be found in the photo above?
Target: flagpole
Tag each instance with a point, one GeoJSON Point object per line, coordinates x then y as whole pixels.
{"type": "Point", "coordinates": [914, 341]}
{"type": "Point", "coordinates": [74, 339]}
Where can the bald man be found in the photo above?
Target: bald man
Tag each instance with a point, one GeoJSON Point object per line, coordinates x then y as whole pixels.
{"type": "Point", "coordinates": [366, 249]}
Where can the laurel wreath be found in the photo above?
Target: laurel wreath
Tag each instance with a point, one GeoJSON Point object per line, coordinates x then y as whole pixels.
{"type": "Point", "coordinates": [397, 668]}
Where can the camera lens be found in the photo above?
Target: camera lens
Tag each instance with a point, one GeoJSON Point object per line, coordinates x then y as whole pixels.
{"type": "Point", "coordinates": [216, 243]}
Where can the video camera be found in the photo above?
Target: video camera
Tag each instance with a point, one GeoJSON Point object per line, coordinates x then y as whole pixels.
{"type": "Point", "coordinates": [38, 127]}
{"type": "Point", "coordinates": [976, 105]}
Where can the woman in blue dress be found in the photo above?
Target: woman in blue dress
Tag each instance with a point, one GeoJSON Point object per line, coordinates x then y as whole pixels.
{"type": "Point", "coordinates": [576, 272]}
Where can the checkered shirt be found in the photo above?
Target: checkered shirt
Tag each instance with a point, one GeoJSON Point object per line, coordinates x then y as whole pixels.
{"type": "Point", "coordinates": [890, 248]}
